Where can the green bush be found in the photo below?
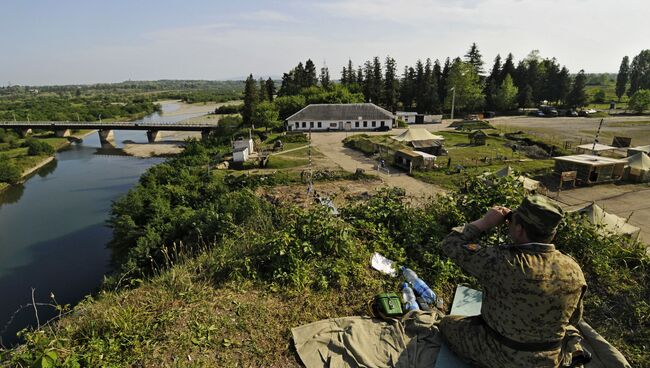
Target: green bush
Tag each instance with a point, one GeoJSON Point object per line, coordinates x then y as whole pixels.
{"type": "Point", "coordinates": [37, 148]}
{"type": "Point", "coordinates": [9, 172]}
{"type": "Point", "coordinates": [294, 138]}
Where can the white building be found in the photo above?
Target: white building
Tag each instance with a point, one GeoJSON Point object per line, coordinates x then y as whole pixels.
{"type": "Point", "coordinates": [324, 117]}
{"type": "Point", "coordinates": [409, 117]}
{"type": "Point", "coordinates": [241, 149]}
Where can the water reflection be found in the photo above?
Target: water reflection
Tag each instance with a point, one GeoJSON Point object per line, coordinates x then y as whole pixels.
{"type": "Point", "coordinates": [47, 169]}
{"type": "Point", "coordinates": [11, 194]}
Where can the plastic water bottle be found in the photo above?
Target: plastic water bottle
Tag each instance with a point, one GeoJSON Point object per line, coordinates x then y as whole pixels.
{"type": "Point", "coordinates": [420, 287]}
{"type": "Point", "coordinates": [409, 298]}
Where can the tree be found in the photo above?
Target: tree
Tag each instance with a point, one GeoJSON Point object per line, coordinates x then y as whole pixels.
{"type": "Point", "coordinates": [9, 172]}
{"type": "Point", "coordinates": [443, 87]}
{"type": "Point", "coordinates": [324, 77]}
{"type": "Point", "coordinates": [474, 58]}
{"type": "Point", "coordinates": [289, 105]}
{"type": "Point", "coordinates": [599, 96]}
{"type": "Point", "coordinates": [622, 77]}
{"type": "Point", "coordinates": [525, 96]}
{"type": "Point", "coordinates": [266, 115]}
{"type": "Point", "coordinates": [407, 88]}
{"type": "Point", "coordinates": [640, 101]}
{"type": "Point", "coordinates": [37, 148]}
{"type": "Point", "coordinates": [506, 96]}
{"type": "Point", "coordinates": [508, 68]}
{"type": "Point", "coordinates": [493, 82]}
{"type": "Point", "coordinates": [270, 89]}
{"type": "Point", "coordinates": [250, 100]}
{"type": "Point", "coordinates": [578, 96]}
{"type": "Point", "coordinates": [262, 90]}
{"type": "Point", "coordinates": [391, 84]}
{"type": "Point", "coordinates": [640, 72]}
{"type": "Point", "coordinates": [309, 79]}
{"type": "Point", "coordinates": [464, 79]}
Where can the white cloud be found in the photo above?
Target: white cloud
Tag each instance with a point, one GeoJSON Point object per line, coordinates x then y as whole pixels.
{"type": "Point", "coordinates": [268, 16]}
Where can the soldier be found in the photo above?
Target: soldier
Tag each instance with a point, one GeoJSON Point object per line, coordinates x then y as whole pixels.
{"type": "Point", "coordinates": [532, 293]}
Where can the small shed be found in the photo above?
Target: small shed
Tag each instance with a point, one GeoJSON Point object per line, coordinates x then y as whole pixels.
{"type": "Point", "coordinates": [408, 160]}
{"type": "Point", "coordinates": [634, 150]}
{"type": "Point", "coordinates": [240, 143]}
{"type": "Point", "coordinates": [594, 148]}
{"type": "Point", "coordinates": [591, 169]}
{"type": "Point", "coordinates": [240, 154]}
{"type": "Point", "coordinates": [638, 168]}
{"type": "Point", "coordinates": [477, 138]}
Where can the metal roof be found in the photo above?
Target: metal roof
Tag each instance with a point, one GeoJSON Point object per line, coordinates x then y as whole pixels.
{"type": "Point", "coordinates": [348, 112]}
{"type": "Point", "coordinates": [590, 160]}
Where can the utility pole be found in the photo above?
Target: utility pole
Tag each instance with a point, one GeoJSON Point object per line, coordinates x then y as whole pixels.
{"type": "Point", "coordinates": [593, 148]}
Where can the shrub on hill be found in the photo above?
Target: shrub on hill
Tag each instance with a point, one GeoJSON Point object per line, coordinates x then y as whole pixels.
{"type": "Point", "coordinates": [36, 147]}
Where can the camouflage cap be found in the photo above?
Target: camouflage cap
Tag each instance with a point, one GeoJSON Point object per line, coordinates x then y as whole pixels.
{"type": "Point", "coordinates": [541, 212]}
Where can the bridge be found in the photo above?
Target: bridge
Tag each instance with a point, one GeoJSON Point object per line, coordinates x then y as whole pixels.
{"type": "Point", "coordinates": [105, 130]}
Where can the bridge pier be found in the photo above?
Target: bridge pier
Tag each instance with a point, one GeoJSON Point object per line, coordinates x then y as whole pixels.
{"type": "Point", "coordinates": [62, 133]}
{"type": "Point", "coordinates": [106, 135]}
{"type": "Point", "coordinates": [153, 135]}
{"type": "Point", "coordinates": [25, 132]}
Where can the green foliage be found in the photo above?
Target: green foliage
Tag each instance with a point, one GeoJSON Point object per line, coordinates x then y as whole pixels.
{"type": "Point", "coordinates": [640, 101]}
{"type": "Point", "coordinates": [36, 147]}
{"type": "Point", "coordinates": [229, 109]}
{"type": "Point", "coordinates": [251, 100]}
{"type": "Point", "coordinates": [506, 96]}
{"type": "Point", "coordinates": [578, 96]}
{"type": "Point", "coordinates": [294, 138]}
{"type": "Point", "coordinates": [640, 72]}
{"type": "Point", "coordinates": [465, 80]}
{"type": "Point", "coordinates": [9, 172]}
{"type": "Point", "coordinates": [599, 96]}
{"type": "Point", "coordinates": [266, 115]}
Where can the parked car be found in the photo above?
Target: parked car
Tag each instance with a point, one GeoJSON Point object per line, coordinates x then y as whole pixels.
{"type": "Point", "coordinates": [571, 113]}
{"type": "Point", "coordinates": [536, 113]}
{"type": "Point", "coordinates": [384, 128]}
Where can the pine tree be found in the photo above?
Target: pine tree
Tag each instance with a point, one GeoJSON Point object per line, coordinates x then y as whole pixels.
{"type": "Point", "coordinates": [563, 84]}
{"type": "Point", "coordinates": [390, 84]}
{"type": "Point", "coordinates": [324, 77]}
{"type": "Point", "coordinates": [443, 87]}
{"type": "Point", "coordinates": [310, 75]}
{"type": "Point", "coordinates": [639, 72]}
{"type": "Point", "coordinates": [407, 87]}
{"type": "Point", "coordinates": [344, 76]}
{"type": "Point", "coordinates": [578, 96]}
{"type": "Point", "coordinates": [377, 81]}
{"type": "Point", "coordinates": [270, 89]}
{"type": "Point", "coordinates": [622, 77]}
{"type": "Point", "coordinates": [262, 91]}
{"type": "Point", "coordinates": [299, 78]}
{"type": "Point", "coordinates": [525, 96]}
{"type": "Point", "coordinates": [508, 69]}
{"type": "Point", "coordinates": [250, 100]}
{"type": "Point", "coordinates": [352, 78]}
{"type": "Point", "coordinates": [492, 83]}
{"type": "Point", "coordinates": [420, 87]}
{"type": "Point", "coordinates": [359, 78]}
{"type": "Point", "coordinates": [474, 57]}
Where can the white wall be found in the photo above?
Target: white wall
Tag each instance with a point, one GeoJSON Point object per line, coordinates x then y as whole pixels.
{"type": "Point", "coordinates": [337, 124]}
{"type": "Point", "coordinates": [240, 156]}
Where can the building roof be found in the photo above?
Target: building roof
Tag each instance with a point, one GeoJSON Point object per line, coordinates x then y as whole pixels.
{"type": "Point", "coordinates": [417, 134]}
{"type": "Point", "coordinates": [405, 113]}
{"type": "Point", "coordinates": [426, 156]}
{"type": "Point", "coordinates": [408, 153]}
{"type": "Point", "coordinates": [596, 148]}
{"type": "Point", "coordinates": [240, 149]}
{"type": "Point", "coordinates": [478, 133]}
{"type": "Point", "coordinates": [426, 143]}
{"type": "Point", "coordinates": [590, 160]}
{"type": "Point", "coordinates": [645, 149]}
{"type": "Point", "coordinates": [349, 112]}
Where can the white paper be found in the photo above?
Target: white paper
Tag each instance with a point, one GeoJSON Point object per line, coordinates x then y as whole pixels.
{"type": "Point", "coordinates": [383, 264]}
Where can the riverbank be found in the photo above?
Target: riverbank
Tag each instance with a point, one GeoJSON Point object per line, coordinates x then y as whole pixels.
{"type": "Point", "coordinates": [39, 164]}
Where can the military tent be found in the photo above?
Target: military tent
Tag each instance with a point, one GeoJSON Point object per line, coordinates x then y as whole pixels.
{"type": "Point", "coordinates": [528, 183]}
{"type": "Point", "coordinates": [611, 224]}
{"type": "Point", "coordinates": [417, 134]}
{"type": "Point", "coordinates": [638, 168]}
{"type": "Point", "coordinates": [634, 150]}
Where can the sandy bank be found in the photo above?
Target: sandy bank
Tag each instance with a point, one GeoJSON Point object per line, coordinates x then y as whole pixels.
{"type": "Point", "coordinates": [196, 108]}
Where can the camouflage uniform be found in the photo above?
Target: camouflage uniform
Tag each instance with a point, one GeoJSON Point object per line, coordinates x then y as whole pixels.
{"type": "Point", "coordinates": [532, 298]}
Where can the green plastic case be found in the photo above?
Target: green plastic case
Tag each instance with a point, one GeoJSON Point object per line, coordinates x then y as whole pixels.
{"type": "Point", "coordinates": [389, 304]}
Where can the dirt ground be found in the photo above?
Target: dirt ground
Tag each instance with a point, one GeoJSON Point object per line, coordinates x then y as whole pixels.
{"type": "Point", "coordinates": [578, 130]}
{"type": "Point", "coordinates": [331, 146]}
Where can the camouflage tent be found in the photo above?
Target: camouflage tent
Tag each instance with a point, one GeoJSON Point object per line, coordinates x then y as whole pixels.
{"type": "Point", "coordinates": [611, 224]}
{"type": "Point", "coordinates": [638, 168]}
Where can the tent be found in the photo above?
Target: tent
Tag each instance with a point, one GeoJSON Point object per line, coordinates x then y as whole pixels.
{"type": "Point", "coordinates": [529, 184]}
{"type": "Point", "coordinates": [638, 168]}
{"type": "Point", "coordinates": [612, 224]}
{"type": "Point", "coordinates": [417, 134]}
{"type": "Point", "coordinates": [590, 147]}
{"type": "Point", "coordinates": [634, 150]}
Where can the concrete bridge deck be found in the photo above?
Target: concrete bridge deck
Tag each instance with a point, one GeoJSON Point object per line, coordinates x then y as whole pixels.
{"type": "Point", "coordinates": [105, 130]}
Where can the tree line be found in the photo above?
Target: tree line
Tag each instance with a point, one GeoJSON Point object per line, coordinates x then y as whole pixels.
{"type": "Point", "coordinates": [633, 80]}
{"type": "Point", "coordinates": [426, 87]}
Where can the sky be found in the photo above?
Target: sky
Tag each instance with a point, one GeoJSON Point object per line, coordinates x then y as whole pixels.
{"type": "Point", "coordinates": [45, 42]}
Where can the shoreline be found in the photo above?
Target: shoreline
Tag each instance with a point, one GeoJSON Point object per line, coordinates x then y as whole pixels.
{"type": "Point", "coordinates": [29, 171]}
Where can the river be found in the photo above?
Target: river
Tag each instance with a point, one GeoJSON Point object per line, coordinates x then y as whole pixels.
{"type": "Point", "coordinates": [53, 232]}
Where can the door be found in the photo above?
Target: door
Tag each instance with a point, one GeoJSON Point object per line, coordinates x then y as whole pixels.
{"type": "Point", "coordinates": [348, 125]}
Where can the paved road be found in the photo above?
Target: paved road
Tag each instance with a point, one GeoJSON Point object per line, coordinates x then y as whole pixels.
{"type": "Point", "coordinates": [331, 146]}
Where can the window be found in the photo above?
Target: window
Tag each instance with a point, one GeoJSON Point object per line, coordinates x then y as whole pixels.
{"type": "Point", "coordinates": [333, 125]}
{"type": "Point", "coordinates": [365, 124]}
{"type": "Point", "coordinates": [297, 124]}
{"type": "Point", "coordinates": [382, 123]}
{"type": "Point", "coordinates": [320, 125]}
{"type": "Point", "coordinates": [304, 124]}
{"type": "Point", "coordinates": [349, 122]}
{"type": "Point", "coordinates": [311, 124]}
{"type": "Point", "coordinates": [374, 123]}
{"type": "Point", "coordinates": [356, 124]}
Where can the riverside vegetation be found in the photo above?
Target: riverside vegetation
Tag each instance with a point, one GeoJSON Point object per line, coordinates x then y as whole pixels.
{"type": "Point", "coordinates": [211, 274]}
